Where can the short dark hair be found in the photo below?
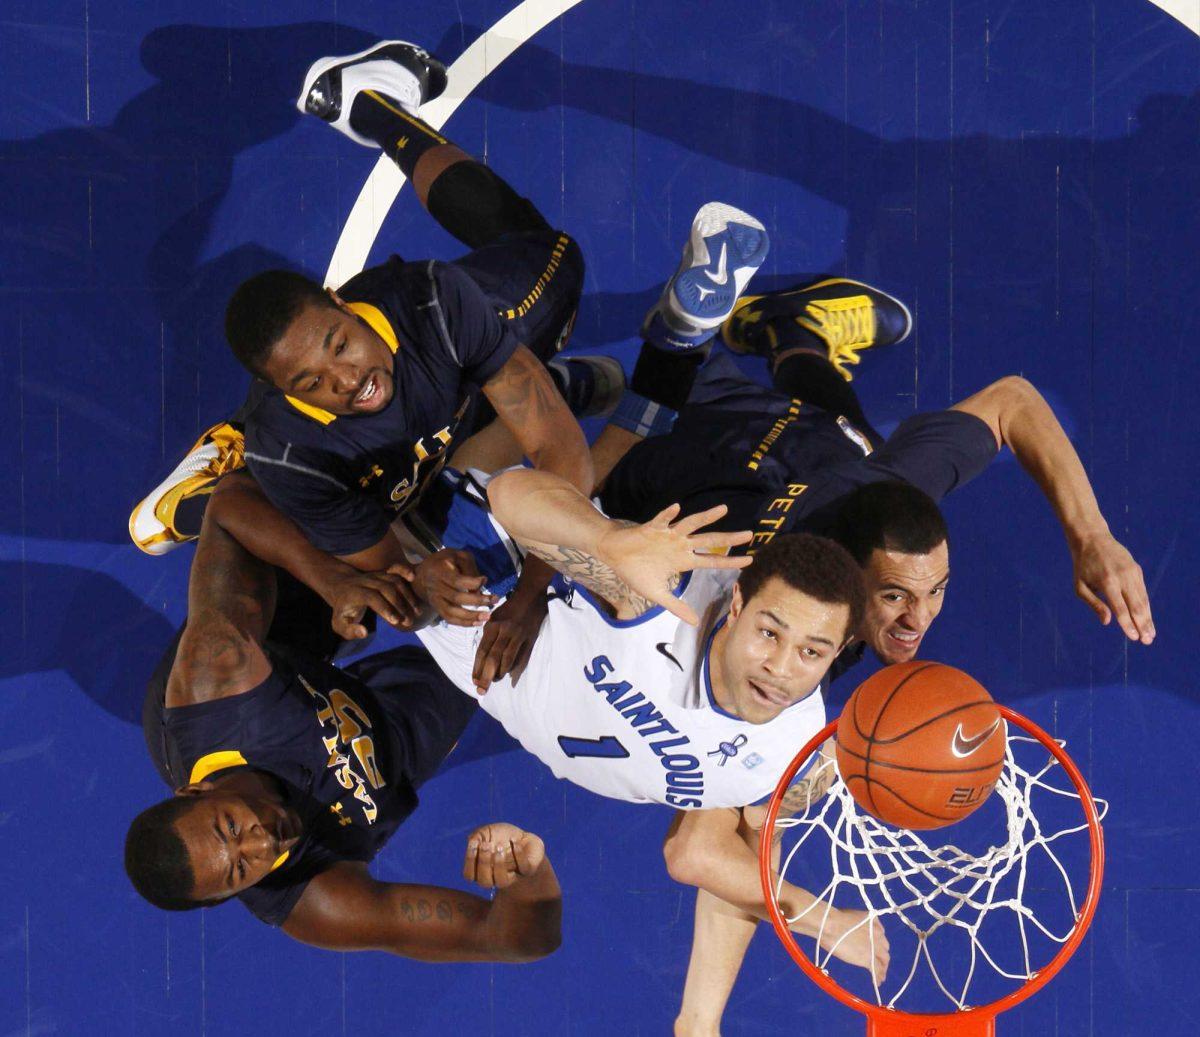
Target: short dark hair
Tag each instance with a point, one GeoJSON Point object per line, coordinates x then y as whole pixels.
{"type": "Point", "coordinates": [813, 565]}
{"type": "Point", "coordinates": [156, 858]}
{"type": "Point", "coordinates": [263, 308]}
{"type": "Point", "coordinates": [892, 516]}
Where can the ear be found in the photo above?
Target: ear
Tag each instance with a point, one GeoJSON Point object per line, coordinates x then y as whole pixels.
{"type": "Point", "coordinates": [735, 603]}
{"type": "Point", "coordinates": [196, 788]}
{"type": "Point", "coordinates": [336, 299]}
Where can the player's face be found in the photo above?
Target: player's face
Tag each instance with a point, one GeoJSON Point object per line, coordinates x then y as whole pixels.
{"type": "Point", "coordinates": [234, 840]}
{"type": "Point", "coordinates": [904, 596]}
{"type": "Point", "coordinates": [776, 648]}
{"type": "Point", "coordinates": [332, 359]}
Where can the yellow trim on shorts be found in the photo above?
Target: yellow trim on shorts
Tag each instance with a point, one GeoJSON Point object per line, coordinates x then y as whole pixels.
{"type": "Point", "coordinates": [543, 281]}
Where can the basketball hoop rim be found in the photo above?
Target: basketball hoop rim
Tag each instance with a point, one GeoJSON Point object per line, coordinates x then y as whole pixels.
{"type": "Point", "coordinates": [983, 1014]}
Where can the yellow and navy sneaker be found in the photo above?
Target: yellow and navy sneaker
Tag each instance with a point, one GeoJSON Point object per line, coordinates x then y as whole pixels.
{"type": "Point", "coordinates": [399, 71]}
{"type": "Point", "coordinates": [725, 248]}
{"type": "Point", "coordinates": [847, 316]}
{"type": "Point", "coordinates": [153, 524]}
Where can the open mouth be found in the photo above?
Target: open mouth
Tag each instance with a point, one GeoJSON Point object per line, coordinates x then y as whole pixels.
{"type": "Point", "coordinates": [370, 395]}
{"type": "Point", "coordinates": [903, 640]}
{"type": "Point", "coordinates": [767, 695]}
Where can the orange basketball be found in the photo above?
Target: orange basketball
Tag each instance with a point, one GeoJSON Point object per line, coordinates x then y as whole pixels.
{"type": "Point", "coordinates": [920, 745]}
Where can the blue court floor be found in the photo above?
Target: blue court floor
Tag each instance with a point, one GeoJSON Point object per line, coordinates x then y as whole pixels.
{"type": "Point", "coordinates": [1025, 174]}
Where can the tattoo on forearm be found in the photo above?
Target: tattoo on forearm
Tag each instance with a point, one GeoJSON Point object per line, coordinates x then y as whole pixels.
{"type": "Point", "coordinates": [596, 576]}
{"type": "Point", "coordinates": [805, 792]}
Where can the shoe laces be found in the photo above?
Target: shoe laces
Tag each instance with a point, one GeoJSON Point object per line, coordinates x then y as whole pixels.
{"type": "Point", "coordinates": [230, 452]}
{"type": "Point", "coordinates": [845, 325]}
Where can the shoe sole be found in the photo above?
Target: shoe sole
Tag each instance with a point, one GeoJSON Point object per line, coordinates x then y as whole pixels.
{"type": "Point", "coordinates": [436, 83]}
{"type": "Point", "coordinates": [734, 347]}
{"type": "Point", "coordinates": [694, 295]}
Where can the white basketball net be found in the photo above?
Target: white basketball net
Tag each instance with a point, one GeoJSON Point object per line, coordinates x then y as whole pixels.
{"type": "Point", "coordinates": [896, 876]}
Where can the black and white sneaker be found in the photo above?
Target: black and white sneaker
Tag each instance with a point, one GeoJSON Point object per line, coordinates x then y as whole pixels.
{"type": "Point", "coordinates": [591, 385]}
{"type": "Point", "coordinates": [399, 71]}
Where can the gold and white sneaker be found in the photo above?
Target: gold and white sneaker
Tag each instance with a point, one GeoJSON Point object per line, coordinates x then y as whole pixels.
{"type": "Point", "coordinates": [152, 523]}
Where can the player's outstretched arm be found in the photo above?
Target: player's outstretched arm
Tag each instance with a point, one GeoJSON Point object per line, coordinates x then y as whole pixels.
{"type": "Point", "coordinates": [537, 416]}
{"type": "Point", "coordinates": [632, 567]}
{"type": "Point", "coordinates": [345, 909]}
{"type": "Point", "coordinates": [1106, 576]}
{"type": "Point", "coordinates": [241, 508]}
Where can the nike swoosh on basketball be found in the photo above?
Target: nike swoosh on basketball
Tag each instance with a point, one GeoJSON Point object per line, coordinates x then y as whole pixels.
{"type": "Point", "coordinates": [963, 747]}
{"type": "Point", "coordinates": [722, 275]}
{"type": "Point", "coordinates": [662, 647]}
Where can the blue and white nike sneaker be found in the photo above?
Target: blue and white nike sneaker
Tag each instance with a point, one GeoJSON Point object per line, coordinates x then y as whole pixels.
{"type": "Point", "coordinates": [726, 246]}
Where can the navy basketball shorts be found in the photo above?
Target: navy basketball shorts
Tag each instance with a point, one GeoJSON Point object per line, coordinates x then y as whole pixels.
{"type": "Point", "coordinates": [534, 278]}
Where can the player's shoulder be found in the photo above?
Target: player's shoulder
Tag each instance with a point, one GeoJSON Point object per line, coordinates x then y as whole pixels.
{"type": "Point", "coordinates": [950, 424]}
{"type": "Point", "coordinates": [383, 283]}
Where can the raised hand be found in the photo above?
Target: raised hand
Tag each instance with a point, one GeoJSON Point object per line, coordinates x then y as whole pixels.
{"type": "Point", "coordinates": [500, 854]}
{"type": "Point", "coordinates": [1111, 583]}
{"type": "Point", "coordinates": [648, 558]}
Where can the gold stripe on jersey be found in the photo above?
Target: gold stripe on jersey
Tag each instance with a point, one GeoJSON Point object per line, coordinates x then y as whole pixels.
{"type": "Point", "coordinates": [211, 762]}
{"type": "Point", "coordinates": [378, 322]}
{"type": "Point", "coordinates": [316, 413]}
{"type": "Point", "coordinates": [543, 281]}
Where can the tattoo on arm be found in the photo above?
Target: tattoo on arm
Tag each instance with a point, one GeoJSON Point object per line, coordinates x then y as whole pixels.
{"type": "Point", "coordinates": [421, 910]}
{"type": "Point", "coordinates": [802, 794]}
{"type": "Point", "coordinates": [596, 576]}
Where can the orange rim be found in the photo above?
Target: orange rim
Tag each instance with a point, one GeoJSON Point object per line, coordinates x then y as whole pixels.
{"type": "Point", "coordinates": [980, 1017]}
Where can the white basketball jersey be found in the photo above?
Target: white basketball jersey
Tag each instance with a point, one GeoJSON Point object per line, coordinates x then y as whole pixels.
{"type": "Point", "coordinates": [625, 708]}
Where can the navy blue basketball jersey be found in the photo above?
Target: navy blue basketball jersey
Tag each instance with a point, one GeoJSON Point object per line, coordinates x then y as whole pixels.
{"type": "Point", "coordinates": [343, 479]}
{"type": "Point", "coordinates": [785, 467]}
{"type": "Point", "coordinates": [331, 745]}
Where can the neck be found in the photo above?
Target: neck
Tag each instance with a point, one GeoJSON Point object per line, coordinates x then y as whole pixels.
{"type": "Point", "coordinates": [716, 672]}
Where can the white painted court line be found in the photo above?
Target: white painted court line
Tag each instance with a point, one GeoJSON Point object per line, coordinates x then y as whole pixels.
{"type": "Point", "coordinates": [1187, 12]}
{"type": "Point", "coordinates": [474, 65]}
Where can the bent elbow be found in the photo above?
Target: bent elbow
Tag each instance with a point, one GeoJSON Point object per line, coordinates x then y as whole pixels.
{"type": "Point", "coordinates": [500, 491]}
{"type": "Point", "coordinates": [1016, 387]}
{"type": "Point", "coordinates": [532, 947]}
{"type": "Point", "coordinates": [542, 947]}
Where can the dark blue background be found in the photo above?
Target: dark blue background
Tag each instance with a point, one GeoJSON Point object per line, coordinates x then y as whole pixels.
{"type": "Point", "coordinates": [1025, 174]}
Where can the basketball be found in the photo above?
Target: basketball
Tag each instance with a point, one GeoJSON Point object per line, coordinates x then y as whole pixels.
{"type": "Point", "coordinates": [920, 745]}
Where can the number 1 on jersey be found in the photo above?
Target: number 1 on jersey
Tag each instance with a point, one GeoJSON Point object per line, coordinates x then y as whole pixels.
{"type": "Point", "coordinates": [606, 747]}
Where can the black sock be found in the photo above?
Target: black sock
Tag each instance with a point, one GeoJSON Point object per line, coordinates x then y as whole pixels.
{"type": "Point", "coordinates": [189, 514]}
{"type": "Point", "coordinates": [404, 137]}
{"type": "Point", "coordinates": [812, 378]}
{"type": "Point", "coordinates": [666, 378]}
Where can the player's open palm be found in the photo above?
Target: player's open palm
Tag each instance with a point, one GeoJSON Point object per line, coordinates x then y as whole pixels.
{"type": "Point", "coordinates": [500, 854]}
{"type": "Point", "coordinates": [859, 940]}
{"type": "Point", "coordinates": [649, 557]}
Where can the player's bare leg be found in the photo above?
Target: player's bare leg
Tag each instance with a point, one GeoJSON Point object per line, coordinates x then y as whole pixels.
{"type": "Point", "coordinates": [721, 935]}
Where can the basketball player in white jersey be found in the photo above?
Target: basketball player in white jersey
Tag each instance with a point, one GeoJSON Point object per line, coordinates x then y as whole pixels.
{"type": "Point", "coordinates": [651, 682]}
